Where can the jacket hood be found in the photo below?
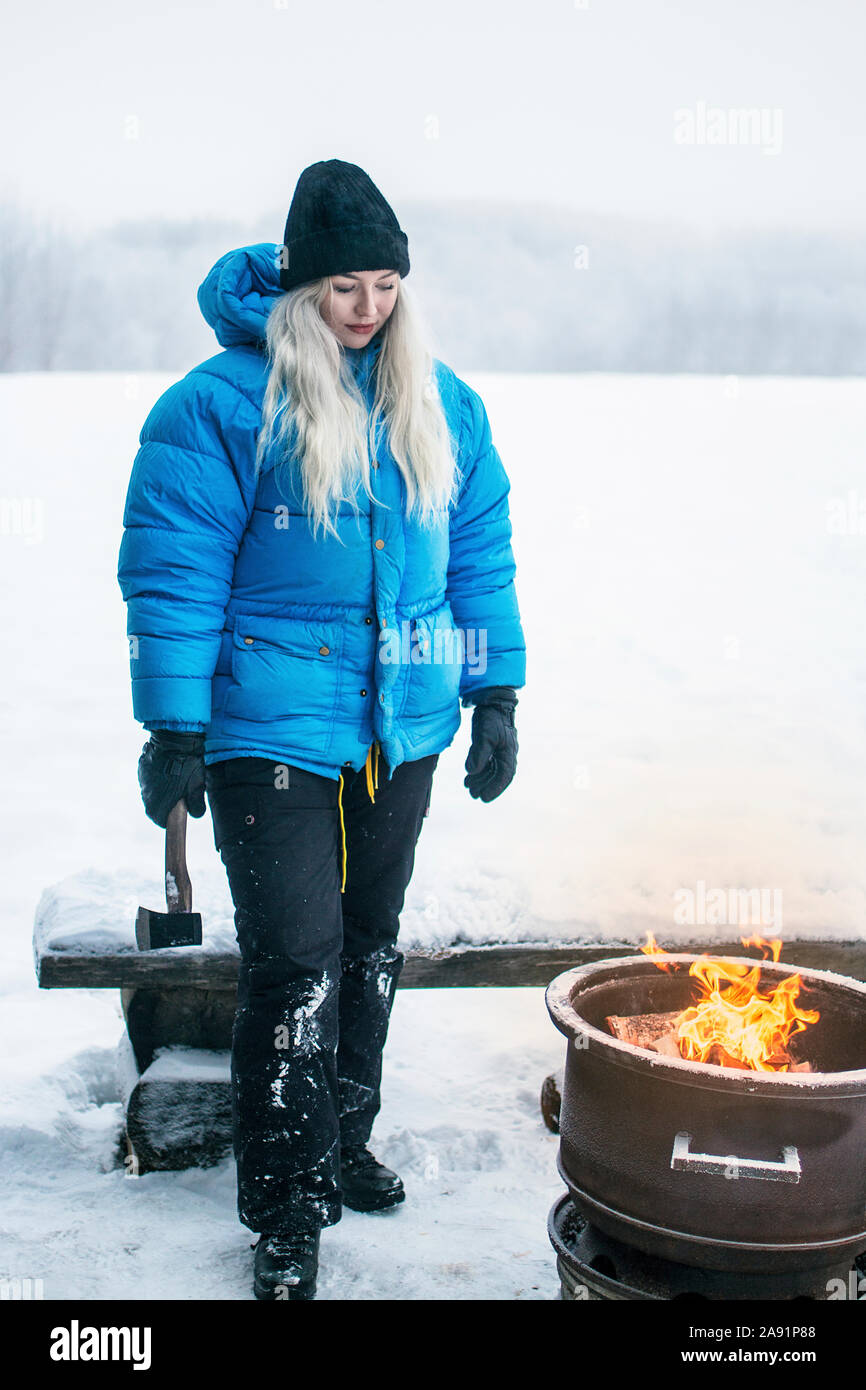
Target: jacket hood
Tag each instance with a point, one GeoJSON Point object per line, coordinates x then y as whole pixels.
{"type": "Point", "coordinates": [238, 294]}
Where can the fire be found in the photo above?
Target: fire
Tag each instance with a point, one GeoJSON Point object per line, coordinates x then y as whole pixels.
{"type": "Point", "coordinates": [733, 1022]}
{"type": "Point", "coordinates": [653, 949]}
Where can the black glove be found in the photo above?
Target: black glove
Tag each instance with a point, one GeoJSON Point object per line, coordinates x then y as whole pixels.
{"type": "Point", "coordinates": [492, 759]}
{"type": "Point", "coordinates": [171, 769]}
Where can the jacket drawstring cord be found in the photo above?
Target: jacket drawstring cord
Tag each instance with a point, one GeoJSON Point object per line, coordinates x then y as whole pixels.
{"type": "Point", "coordinates": [372, 769]}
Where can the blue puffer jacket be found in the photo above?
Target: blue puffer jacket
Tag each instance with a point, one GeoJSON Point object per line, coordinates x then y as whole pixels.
{"type": "Point", "coordinates": [281, 646]}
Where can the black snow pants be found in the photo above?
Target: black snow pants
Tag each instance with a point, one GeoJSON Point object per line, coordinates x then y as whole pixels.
{"type": "Point", "coordinates": [319, 968]}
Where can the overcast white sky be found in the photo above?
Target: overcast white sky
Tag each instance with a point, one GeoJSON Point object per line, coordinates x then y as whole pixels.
{"type": "Point", "coordinates": [114, 109]}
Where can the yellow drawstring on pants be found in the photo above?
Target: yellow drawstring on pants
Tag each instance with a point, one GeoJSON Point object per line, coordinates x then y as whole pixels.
{"type": "Point", "coordinates": [372, 779]}
{"type": "Point", "coordinates": [372, 782]}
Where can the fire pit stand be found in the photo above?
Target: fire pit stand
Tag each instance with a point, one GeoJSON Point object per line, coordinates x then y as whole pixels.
{"type": "Point", "coordinates": [593, 1267]}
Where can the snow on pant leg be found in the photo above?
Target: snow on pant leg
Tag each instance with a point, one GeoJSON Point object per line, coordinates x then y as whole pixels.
{"type": "Point", "coordinates": [380, 855]}
{"type": "Point", "coordinates": [280, 845]}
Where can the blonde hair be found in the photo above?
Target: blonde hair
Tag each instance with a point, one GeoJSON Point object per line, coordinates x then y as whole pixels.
{"type": "Point", "coordinates": [314, 410]}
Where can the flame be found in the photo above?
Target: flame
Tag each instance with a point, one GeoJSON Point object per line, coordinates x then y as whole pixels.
{"type": "Point", "coordinates": [653, 949]}
{"type": "Point", "coordinates": [734, 1022]}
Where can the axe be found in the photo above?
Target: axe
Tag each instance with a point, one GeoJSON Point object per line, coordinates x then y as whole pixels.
{"type": "Point", "coordinates": [178, 926]}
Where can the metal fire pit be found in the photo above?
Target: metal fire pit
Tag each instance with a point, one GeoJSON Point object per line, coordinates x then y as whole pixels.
{"type": "Point", "coordinates": [748, 1172]}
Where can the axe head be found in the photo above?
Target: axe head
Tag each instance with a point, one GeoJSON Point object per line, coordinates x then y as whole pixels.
{"type": "Point", "coordinates": [155, 930]}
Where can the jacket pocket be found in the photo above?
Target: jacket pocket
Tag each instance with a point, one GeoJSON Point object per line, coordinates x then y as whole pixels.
{"type": "Point", "coordinates": [434, 666]}
{"type": "Point", "coordinates": [286, 669]}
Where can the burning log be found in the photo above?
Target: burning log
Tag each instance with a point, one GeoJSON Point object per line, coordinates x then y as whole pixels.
{"type": "Point", "coordinates": [657, 1033]}
{"type": "Point", "coordinates": [641, 1030]}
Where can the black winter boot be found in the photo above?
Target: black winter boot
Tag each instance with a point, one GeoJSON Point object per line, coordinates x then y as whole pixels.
{"type": "Point", "coordinates": [286, 1266]}
{"type": "Point", "coordinates": [367, 1184]}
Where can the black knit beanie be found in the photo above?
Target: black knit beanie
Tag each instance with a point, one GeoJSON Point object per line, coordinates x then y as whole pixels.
{"type": "Point", "coordinates": [339, 222]}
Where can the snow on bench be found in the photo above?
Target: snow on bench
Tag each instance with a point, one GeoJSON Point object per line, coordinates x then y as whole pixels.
{"type": "Point", "coordinates": [84, 938]}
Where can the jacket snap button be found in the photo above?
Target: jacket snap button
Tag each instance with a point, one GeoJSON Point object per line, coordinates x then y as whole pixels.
{"type": "Point", "coordinates": [380, 545]}
{"type": "Point", "coordinates": [363, 692]}
{"type": "Point", "coordinates": [368, 620]}
{"type": "Point", "coordinates": [249, 641]}
{"type": "Point", "coordinates": [250, 820]}
{"type": "Point", "coordinates": [323, 651]}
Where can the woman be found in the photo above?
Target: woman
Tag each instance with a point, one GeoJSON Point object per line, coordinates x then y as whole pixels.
{"type": "Point", "coordinates": [317, 566]}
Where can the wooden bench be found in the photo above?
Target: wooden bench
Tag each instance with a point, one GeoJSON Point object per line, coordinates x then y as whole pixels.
{"type": "Point", "coordinates": [179, 1008]}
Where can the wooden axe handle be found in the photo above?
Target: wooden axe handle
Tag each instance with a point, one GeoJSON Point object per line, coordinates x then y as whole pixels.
{"type": "Point", "coordinates": [178, 888]}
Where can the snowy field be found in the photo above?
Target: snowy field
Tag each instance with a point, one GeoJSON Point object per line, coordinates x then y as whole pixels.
{"type": "Point", "coordinates": [691, 572]}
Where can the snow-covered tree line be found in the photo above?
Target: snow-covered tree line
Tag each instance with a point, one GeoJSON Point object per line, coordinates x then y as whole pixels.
{"type": "Point", "coordinates": [505, 287]}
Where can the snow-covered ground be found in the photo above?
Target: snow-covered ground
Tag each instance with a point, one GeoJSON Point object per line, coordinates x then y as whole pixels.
{"type": "Point", "coordinates": [691, 562]}
{"type": "Point", "coordinates": [460, 1123]}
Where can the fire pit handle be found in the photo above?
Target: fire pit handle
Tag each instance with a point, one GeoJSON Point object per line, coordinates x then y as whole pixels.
{"type": "Point", "coordinates": [730, 1166]}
